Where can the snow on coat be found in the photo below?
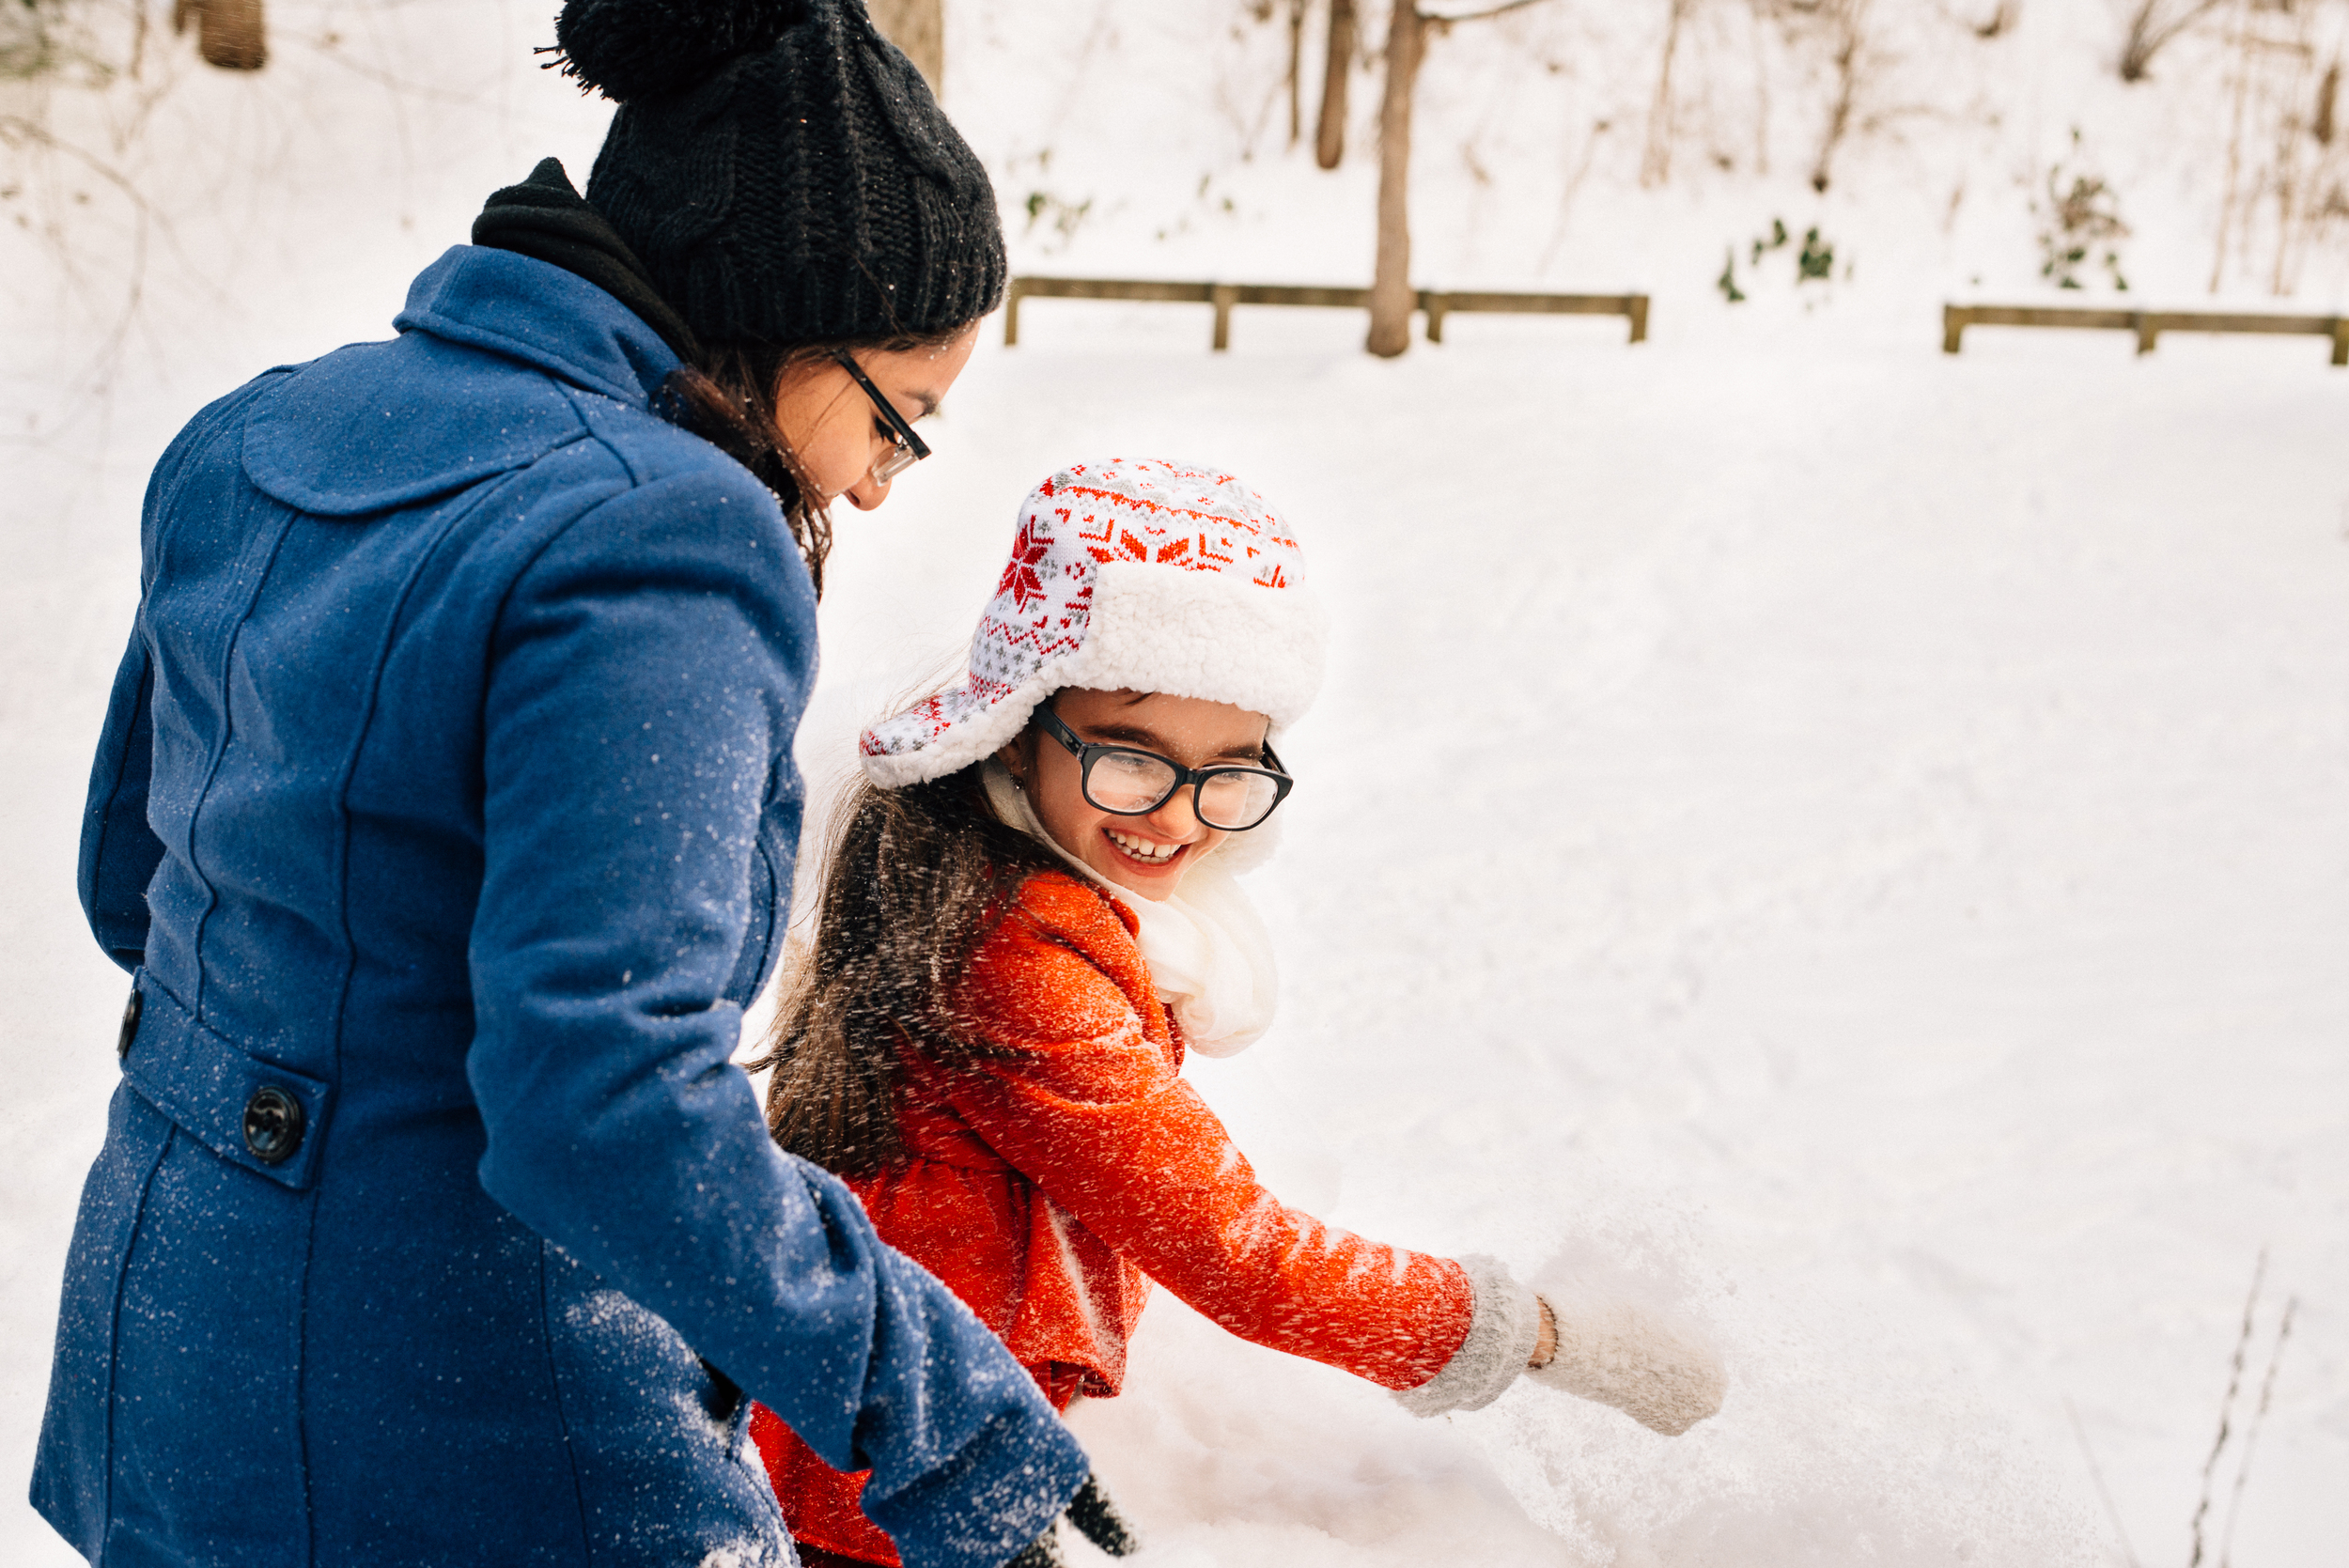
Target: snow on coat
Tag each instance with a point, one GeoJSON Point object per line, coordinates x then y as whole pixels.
{"type": "Point", "coordinates": [1050, 1184]}
{"type": "Point", "coordinates": [442, 812]}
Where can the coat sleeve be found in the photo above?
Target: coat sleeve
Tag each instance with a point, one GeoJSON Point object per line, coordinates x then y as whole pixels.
{"type": "Point", "coordinates": [649, 671]}
{"type": "Point", "coordinates": [119, 851]}
{"type": "Point", "coordinates": [1089, 1108]}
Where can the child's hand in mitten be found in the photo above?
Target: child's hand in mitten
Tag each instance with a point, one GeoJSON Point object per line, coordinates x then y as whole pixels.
{"type": "Point", "coordinates": [1654, 1368]}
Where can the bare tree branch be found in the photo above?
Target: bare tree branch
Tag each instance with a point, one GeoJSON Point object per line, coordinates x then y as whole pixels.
{"type": "Point", "coordinates": [88, 385]}
{"type": "Point", "coordinates": [1852, 27]}
{"type": "Point", "coordinates": [1297, 69]}
{"type": "Point", "coordinates": [14, 128]}
{"type": "Point", "coordinates": [2148, 32]}
{"type": "Point", "coordinates": [1656, 158]}
{"type": "Point", "coordinates": [1445, 18]}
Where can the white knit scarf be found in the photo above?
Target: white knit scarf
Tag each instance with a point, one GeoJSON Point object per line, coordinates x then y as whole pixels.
{"type": "Point", "coordinates": [1210, 958]}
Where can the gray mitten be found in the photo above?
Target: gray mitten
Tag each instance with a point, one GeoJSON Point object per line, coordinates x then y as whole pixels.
{"type": "Point", "coordinates": [1656, 1368]}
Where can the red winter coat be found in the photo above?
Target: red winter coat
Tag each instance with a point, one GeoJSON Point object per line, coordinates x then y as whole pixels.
{"type": "Point", "coordinates": [1049, 1186]}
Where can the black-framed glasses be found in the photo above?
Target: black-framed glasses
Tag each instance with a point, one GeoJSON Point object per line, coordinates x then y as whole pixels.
{"type": "Point", "coordinates": [1124, 781]}
{"type": "Point", "coordinates": [906, 448]}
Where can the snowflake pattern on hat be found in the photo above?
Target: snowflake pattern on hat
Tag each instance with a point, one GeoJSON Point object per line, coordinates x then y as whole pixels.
{"type": "Point", "coordinates": [1208, 584]}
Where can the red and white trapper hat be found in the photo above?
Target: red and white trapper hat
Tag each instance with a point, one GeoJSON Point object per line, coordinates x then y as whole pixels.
{"type": "Point", "coordinates": [1134, 574]}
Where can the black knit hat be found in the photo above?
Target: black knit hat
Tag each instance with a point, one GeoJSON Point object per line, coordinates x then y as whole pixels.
{"type": "Point", "coordinates": [783, 171]}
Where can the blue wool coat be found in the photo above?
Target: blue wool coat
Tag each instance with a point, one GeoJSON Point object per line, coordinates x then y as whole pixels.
{"type": "Point", "coordinates": [444, 814]}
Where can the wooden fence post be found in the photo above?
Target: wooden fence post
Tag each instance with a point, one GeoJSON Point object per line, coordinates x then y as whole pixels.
{"type": "Point", "coordinates": [2341, 340]}
{"type": "Point", "coordinates": [1953, 328]}
{"type": "Point", "coordinates": [1224, 296]}
{"type": "Point", "coordinates": [1011, 312]}
{"type": "Point", "coordinates": [1637, 312]}
{"type": "Point", "coordinates": [2148, 331]}
{"type": "Point", "coordinates": [1433, 303]}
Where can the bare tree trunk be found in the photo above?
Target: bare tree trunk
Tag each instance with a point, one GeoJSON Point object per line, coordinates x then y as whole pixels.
{"type": "Point", "coordinates": [1391, 297]}
{"type": "Point", "coordinates": [919, 28]}
{"type": "Point", "coordinates": [230, 33]}
{"type": "Point", "coordinates": [1338, 65]}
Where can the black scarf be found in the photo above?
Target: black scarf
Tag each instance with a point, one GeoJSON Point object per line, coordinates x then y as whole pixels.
{"type": "Point", "coordinates": [546, 219]}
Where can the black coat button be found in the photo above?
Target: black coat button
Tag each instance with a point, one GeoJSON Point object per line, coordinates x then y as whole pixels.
{"type": "Point", "coordinates": [272, 1125]}
{"type": "Point", "coordinates": [129, 1024]}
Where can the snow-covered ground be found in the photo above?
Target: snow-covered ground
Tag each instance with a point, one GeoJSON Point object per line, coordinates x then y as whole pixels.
{"type": "Point", "coordinates": [1854, 836]}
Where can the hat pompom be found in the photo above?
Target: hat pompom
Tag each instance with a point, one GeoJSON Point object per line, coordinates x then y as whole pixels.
{"type": "Point", "coordinates": [629, 50]}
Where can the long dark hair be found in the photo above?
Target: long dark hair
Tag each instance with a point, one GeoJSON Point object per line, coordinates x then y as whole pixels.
{"type": "Point", "coordinates": [725, 392]}
{"type": "Point", "coordinates": [916, 880]}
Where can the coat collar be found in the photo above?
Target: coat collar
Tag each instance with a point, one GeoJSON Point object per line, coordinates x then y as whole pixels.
{"type": "Point", "coordinates": [381, 425]}
{"type": "Point", "coordinates": [541, 315]}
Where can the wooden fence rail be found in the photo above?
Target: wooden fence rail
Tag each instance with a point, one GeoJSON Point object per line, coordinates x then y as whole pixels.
{"type": "Point", "coordinates": [2147, 324]}
{"type": "Point", "coordinates": [1437, 304]}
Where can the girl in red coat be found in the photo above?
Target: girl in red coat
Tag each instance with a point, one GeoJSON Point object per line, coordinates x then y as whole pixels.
{"type": "Point", "coordinates": [1029, 916]}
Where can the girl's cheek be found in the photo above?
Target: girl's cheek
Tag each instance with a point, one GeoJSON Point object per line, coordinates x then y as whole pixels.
{"type": "Point", "coordinates": [1069, 822]}
{"type": "Point", "coordinates": [836, 467]}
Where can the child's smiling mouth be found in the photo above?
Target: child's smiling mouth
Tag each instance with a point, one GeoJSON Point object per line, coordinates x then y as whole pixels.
{"type": "Point", "coordinates": [1143, 851]}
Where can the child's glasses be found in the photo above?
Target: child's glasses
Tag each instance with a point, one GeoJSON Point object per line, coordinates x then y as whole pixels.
{"type": "Point", "coordinates": [1124, 782]}
{"type": "Point", "coordinates": [905, 448]}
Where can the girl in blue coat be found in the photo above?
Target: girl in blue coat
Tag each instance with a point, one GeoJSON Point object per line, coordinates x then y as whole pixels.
{"type": "Point", "coordinates": [442, 817]}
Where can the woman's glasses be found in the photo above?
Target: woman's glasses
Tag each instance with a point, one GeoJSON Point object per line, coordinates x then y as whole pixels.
{"type": "Point", "coordinates": [1124, 782]}
{"type": "Point", "coordinates": [906, 448]}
